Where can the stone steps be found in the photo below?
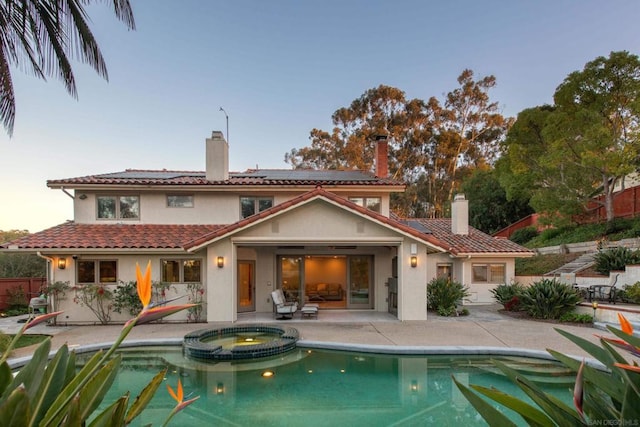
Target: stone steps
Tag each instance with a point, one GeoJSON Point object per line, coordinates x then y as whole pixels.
{"type": "Point", "coordinates": [583, 262]}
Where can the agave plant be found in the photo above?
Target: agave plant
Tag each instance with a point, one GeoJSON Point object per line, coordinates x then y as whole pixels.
{"type": "Point", "coordinates": [51, 393]}
{"type": "Point", "coordinates": [605, 395]}
{"type": "Point", "coordinates": [615, 259]}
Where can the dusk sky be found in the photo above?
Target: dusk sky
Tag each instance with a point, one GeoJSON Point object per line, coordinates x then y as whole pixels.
{"type": "Point", "coordinates": [279, 69]}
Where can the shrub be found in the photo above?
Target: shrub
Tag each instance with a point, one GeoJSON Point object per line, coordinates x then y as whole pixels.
{"type": "Point", "coordinates": [523, 235]}
{"type": "Point", "coordinates": [550, 233]}
{"type": "Point", "coordinates": [96, 298]}
{"type": "Point", "coordinates": [56, 289]}
{"type": "Point", "coordinates": [443, 295]}
{"type": "Point", "coordinates": [549, 299]}
{"type": "Point", "coordinates": [125, 297]}
{"type": "Point", "coordinates": [632, 293]}
{"type": "Point", "coordinates": [615, 259]}
{"type": "Point", "coordinates": [574, 317]}
{"type": "Point", "coordinates": [607, 396]}
{"type": "Point", "coordinates": [16, 298]}
{"type": "Point", "coordinates": [10, 312]}
{"type": "Point", "coordinates": [508, 295]}
{"type": "Point", "coordinates": [617, 225]}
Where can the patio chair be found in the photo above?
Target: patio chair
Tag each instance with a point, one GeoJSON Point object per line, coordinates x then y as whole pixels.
{"type": "Point", "coordinates": [605, 292]}
{"type": "Point", "coordinates": [283, 308]}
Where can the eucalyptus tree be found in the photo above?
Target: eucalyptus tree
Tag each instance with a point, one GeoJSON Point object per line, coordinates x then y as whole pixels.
{"type": "Point", "coordinates": [41, 37]}
{"type": "Point", "coordinates": [470, 128]}
{"type": "Point", "coordinates": [432, 146]}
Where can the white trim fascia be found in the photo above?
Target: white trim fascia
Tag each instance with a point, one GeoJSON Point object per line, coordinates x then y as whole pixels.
{"type": "Point", "coordinates": [492, 255]}
{"type": "Point", "coordinates": [329, 201]}
{"type": "Point", "coordinates": [265, 241]}
{"type": "Point", "coordinates": [273, 189]}
{"type": "Point", "coordinates": [110, 251]}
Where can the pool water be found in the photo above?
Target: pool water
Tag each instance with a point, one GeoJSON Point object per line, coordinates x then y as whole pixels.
{"type": "Point", "coordinates": [242, 340]}
{"type": "Point", "coordinates": [325, 388]}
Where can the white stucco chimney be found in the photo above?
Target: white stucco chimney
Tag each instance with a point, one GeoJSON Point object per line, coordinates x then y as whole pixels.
{"type": "Point", "coordinates": [217, 157]}
{"type": "Point", "coordinates": [460, 215]}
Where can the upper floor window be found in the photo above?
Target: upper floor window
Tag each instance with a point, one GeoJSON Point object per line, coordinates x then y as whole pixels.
{"type": "Point", "coordinates": [93, 271]}
{"type": "Point", "coordinates": [252, 205]}
{"type": "Point", "coordinates": [118, 207]}
{"type": "Point", "coordinates": [181, 270]}
{"type": "Point", "coordinates": [371, 203]}
{"type": "Point", "coordinates": [179, 201]}
{"type": "Point", "coordinates": [488, 273]}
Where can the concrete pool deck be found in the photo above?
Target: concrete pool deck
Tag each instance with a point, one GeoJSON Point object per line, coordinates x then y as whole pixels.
{"type": "Point", "coordinates": [484, 329]}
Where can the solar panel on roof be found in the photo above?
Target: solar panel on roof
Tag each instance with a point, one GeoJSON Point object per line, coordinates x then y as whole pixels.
{"type": "Point", "coordinates": [417, 225]}
{"type": "Point", "coordinates": [306, 175]}
{"type": "Point", "coordinates": [148, 175]}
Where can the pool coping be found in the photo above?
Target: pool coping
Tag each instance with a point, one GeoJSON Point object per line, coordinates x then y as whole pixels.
{"type": "Point", "coordinates": [339, 346]}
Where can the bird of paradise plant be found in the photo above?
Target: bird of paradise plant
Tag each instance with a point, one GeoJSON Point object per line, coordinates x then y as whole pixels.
{"type": "Point", "coordinates": [51, 393]}
{"type": "Point", "coordinates": [603, 395]}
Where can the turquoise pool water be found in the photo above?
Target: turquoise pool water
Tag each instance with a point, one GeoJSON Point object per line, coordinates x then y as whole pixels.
{"type": "Point", "coordinates": [324, 388]}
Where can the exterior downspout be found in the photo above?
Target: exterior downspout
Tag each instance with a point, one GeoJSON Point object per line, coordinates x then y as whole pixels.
{"type": "Point", "coordinates": [64, 190]}
{"type": "Point", "coordinates": [49, 276]}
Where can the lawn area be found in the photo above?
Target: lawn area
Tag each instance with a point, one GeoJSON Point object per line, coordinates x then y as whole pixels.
{"type": "Point", "coordinates": [24, 341]}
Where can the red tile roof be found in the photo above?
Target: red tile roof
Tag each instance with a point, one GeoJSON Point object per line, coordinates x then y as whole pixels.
{"type": "Point", "coordinates": [476, 242]}
{"type": "Point", "coordinates": [251, 177]}
{"type": "Point", "coordinates": [71, 235]}
{"type": "Point", "coordinates": [434, 232]}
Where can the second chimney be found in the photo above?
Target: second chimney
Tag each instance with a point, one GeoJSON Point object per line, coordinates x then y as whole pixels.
{"type": "Point", "coordinates": [217, 157]}
{"type": "Point", "coordinates": [460, 215]}
{"type": "Point", "coordinates": [382, 156]}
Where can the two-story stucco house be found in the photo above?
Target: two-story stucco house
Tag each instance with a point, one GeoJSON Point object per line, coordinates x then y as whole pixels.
{"type": "Point", "coordinates": [322, 236]}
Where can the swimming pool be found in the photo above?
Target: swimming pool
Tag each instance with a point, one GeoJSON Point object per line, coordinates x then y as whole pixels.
{"type": "Point", "coordinates": [316, 387]}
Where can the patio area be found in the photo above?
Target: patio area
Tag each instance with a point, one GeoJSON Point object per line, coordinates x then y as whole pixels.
{"type": "Point", "coordinates": [484, 329]}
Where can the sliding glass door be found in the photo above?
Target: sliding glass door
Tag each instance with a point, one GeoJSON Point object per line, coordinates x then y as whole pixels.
{"type": "Point", "coordinates": [331, 281]}
{"type": "Point", "coordinates": [360, 281]}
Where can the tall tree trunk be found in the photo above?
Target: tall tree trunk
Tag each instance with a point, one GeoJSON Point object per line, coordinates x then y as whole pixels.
{"type": "Point", "coordinates": [607, 189]}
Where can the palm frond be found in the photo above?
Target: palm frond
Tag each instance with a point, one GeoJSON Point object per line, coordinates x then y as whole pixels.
{"type": "Point", "coordinates": [41, 36]}
{"type": "Point", "coordinates": [7, 96]}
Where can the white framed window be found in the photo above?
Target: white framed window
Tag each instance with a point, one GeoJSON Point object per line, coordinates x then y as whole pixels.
{"type": "Point", "coordinates": [181, 270]}
{"type": "Point", "coordinates": [179, 200]}
{"type": "Point", "coordinates": [118, 207]}
{"type": "Point", "coordinates": [250, 205]}
{"type": "Point", "coordinates": [97, 271]}
{"type": "Point", "coordinates": [444, 270]}
{"type": "Point", "coordinates": [371, 203]}
{"type": "Point", "coordinates": [489, 273]}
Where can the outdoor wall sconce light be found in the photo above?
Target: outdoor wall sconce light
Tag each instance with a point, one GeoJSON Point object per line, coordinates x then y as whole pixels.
{"type": "Point", "coordinates": [220, 262]}
{"type": "Point", "coordinates": [414, 261]}
{"type": "Point", "coordinates": [62, 263]}
{"type": "Point", "coordinates": [220, 388]}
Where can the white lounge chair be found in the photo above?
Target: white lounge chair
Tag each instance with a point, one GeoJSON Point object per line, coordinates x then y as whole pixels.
{"type": "Point", "coordinates": [283, 308]}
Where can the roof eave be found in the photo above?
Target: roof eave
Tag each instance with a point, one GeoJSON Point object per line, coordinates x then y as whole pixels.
{"type": "Point", "coordinates": [72, 251]}
{"type": "Point", "coordinates": [491, 254]}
